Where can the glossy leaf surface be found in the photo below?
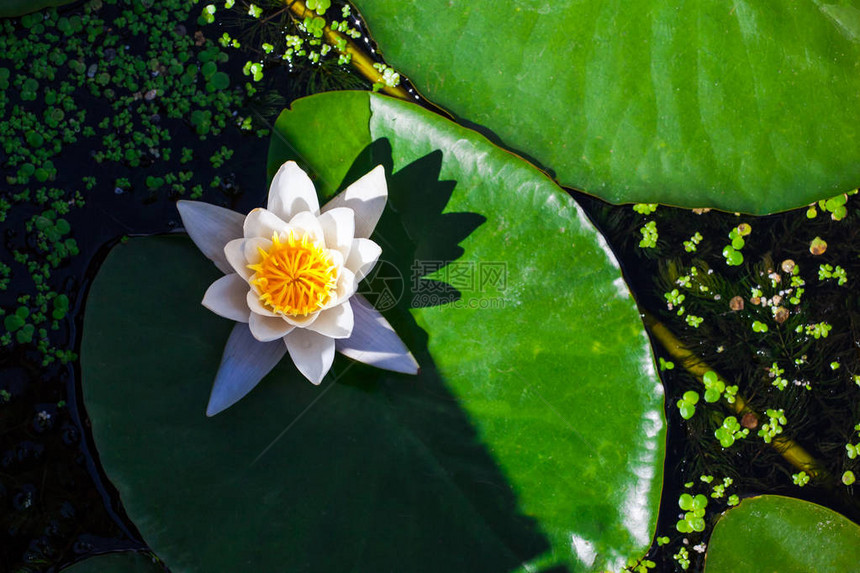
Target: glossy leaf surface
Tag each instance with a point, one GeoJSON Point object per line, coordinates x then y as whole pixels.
{"type": "Point", "coordinates": [775, 533]}
{"type": "Point", "coordinates": [744, 106]}
{"type": "Point", "coordinates": [532, 438]}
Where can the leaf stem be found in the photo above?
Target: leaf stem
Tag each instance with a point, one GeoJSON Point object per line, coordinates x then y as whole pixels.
{"type": "Point", "coordinates": [359, 58]}
{"type": "Point", "coordinates": [793, 452]}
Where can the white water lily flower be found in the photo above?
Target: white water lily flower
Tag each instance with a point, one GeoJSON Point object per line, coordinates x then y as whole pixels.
{"type": "Point", "coordinates": [292, 270]}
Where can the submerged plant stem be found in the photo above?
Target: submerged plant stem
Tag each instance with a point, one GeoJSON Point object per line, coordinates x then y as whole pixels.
{"type": "Point", "coordinates": [793, 452]}
{"type": "Point", "coordinates": [360, 60]}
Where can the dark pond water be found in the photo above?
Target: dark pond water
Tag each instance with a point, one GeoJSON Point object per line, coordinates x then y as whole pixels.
{"type": "Point", "coordinates": [59, 507]}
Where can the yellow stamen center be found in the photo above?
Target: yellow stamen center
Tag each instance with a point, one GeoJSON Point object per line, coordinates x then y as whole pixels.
{"type": "Point", "coordinates": [295, 277]}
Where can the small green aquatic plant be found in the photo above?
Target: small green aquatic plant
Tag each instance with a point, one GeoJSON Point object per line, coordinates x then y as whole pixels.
{"type": "Point", "coordinates": [730, 431]}
{"type": "Point", "coordinates": [694, 508]}
{"type": "Point", "coordinates": [687, 404]}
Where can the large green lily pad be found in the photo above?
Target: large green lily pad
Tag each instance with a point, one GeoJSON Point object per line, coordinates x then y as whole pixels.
{"type": "Point", "coordinates": [532, 439]}
{"type": "Point", "coordinates": [775, 533]}
{"type": "Point", "coordinates": [748, 106]}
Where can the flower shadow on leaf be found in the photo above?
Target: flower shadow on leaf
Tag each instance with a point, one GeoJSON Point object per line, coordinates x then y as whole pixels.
{"type": "Point", "coordinates": [414, 227]}
{"type": "Point", "coordinates": [415, 233]}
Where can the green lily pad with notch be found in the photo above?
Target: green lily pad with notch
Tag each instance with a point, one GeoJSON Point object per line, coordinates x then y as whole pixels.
{"type": "Point", "coordinates": [776, 533]}
{"type": "Point", "coordinates": [532, 439]}
{"type": "Point", "coordinates": [742, 106]}
{"type": "Point", "coordinates": [125, 562]}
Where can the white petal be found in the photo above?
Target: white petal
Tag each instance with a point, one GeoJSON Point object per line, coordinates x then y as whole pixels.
{"type": "Point", "coordinates": [337, 258]}
{"type": "Point", "coordinates": [226, 297]}
{"type": "Point", "coordinates": [268, 328]}
{"type": "Point", "coordinates": [312, 353]}
{"type": "Point", "coordinates": [374, 342]}
{"type": "Point", "coordinates": [235, 253]}
{"type": "Point", "coordinates": [367, 198]}
{"type": "Point", "coordinates": [245, 362]}
{"type": "Point", "coordinates": [251, 250]}
{"type": "Point", "coordinates": [346, 287]}
{"type": "Point", "coordinates": [243, 252]}
{"type": "Point", "coordinates": [338, 225]}
{"type": "Point", "coordinates": [335, 322]}
{"type": "Point", "coordinates": [302, 321]}
{"type": "Point", "coordinates": [306, 223]}
{"type": "Point", "coordinates": [211, 227]}
{"type": "Point", "coordinates": [263, 223]}
{"type": "Point", "coordinates": [291, 192]}
{"type": "Point", "coordinates": [362, 257]}
{"type": "Point", "coordinates": [253, 301]}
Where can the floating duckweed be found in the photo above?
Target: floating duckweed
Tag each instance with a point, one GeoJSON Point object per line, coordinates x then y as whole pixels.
{"type": "Point", "coordinates": [391, 79]}
{"type": "Point", "coordinates": [227, 41]}
{"type": "Point", "coordinates": [719, 489]}
{"type": "Point", "coordinates": [645, 208]}
{"type": "Point", "coordinates": [319, 6]}
{"type": "Point", "coordinates": [731, 393]}
{"type": "Point", "coordinates": [835, 206]}
{"type": "Point", "coordinates": [314, 26]}
{"type": "Point", "coordinates": [683, 558]}
{"type": "Point", "coordinates": [694, 321]}
{"type": "Point", "coordinates": [13, 322]}
{"type": "Point", "coordinates": [730, 431]}
{"type": "Point", "coordinates": [737, 238]}
{"type": "Point", "coordinates": [848, 477]}
{"type": "Point", "coordinates": [691, 244]}
{"type": "Point", "coordinates": [774, 426]}
{"type": "Point", "coordinates": [733, 257]}
{"type": "Point", "coordinates": [675, 299]}
{"type": "Point", "coordinates": [829, 272]}
{"type": "Point", "coordinates": [220, 156]}
{"type": "Point", "coordinates": [695, 512]}
{"type": "Point", "coordinates": [641, 566]}
{"type": "Point", "coordinates": [649, 235]}
{"type": "Point", "coordinates": [687, 404]}
{"type": "Point", "coordinates": [759, 326]}
{"type": "Point", "coordinates": [253, 69]}
{"type": "Point", "coordinates": [819, 330]}
{"type": "Point", "coordinates": [797, 284]}
{"type": "Point", "coordinates": [714, 387]}
{"type": "Point", "coordinates": [61, 307]}
{"type": "Point", "coordinates": [255, 11]}
{"type": "Point", "coordinates": [800, 479]}
{"type": "Point", "coordinates": [776, 373]}
{"type": "Point", "coordinates": [207, 16]}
